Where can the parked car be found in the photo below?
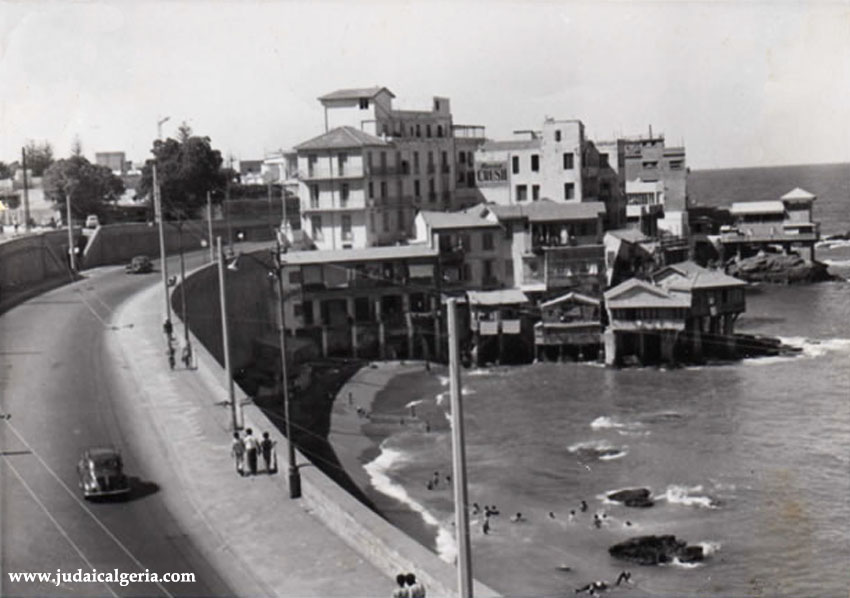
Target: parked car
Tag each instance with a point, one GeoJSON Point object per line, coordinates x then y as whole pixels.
{"type": "Point", "coordinates": [141, 264]}
{"type": "Point", "coordinates": [92, 221]}
{"type": "Point", "coordinates": [101, 472]}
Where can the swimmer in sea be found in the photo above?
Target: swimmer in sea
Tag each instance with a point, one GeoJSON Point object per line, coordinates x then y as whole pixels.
{"type": "Point", "coordinates": [625, 576]}
{"type": "Point", "coordinates": [475, 508]}
{"type": "Point", "coordinates": [583, 507]}
{"type": "Point", "coordinates": [486, 527]}
{"type": "Point", "coordinates": [597, 521]}
{"type": "Point", "coordinates": [551, 515]}
{"type": "Point", "coordinates": [516, 518]}
{"type": "Point", "coordinates": [572, 515]}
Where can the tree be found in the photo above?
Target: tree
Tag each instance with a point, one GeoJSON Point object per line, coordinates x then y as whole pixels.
{"type": "Point", "coordinates": [89, 186]}
{"type": "Point", "coordinates": [39, 157]}
{"type": "Point", "coordinates": [186, 171]}
{"type": "Point", "coordinates": [5, 171]}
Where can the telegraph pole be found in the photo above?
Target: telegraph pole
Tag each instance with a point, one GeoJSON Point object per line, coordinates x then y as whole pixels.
{"type": "Point", "coordinates": [464, 560]}
{"type": "Point", "coordinates": [157, 200]}
{"type": "Point", "coordinates": [225, 341]}
{"type": "Point", "coordinates": [209, 227]}
{"type": "Point", "coordinates": [26, 190]}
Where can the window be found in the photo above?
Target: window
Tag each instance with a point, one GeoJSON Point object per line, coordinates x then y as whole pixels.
{"type": "Point", "coordinates": [558, 135]}
{"type": "Point", "coordinates": [469, 158]}
{"type": "Point", "coordinates": [372, 221]}
{"type": "Point", "coordinates": [341, 160]}
{"type": "Point", "coordinates": [487, 241]}
{"type": "Point", "coordinates": [470, 179]}
{"type": "Point", "coordinates": [343, 195]}
{"type": "Point", "coordinates": [416, 188]}
{"type": "Point", "coordinates": [371, 190]}
{"type": "Point", "coordinates": [568, 161]}
{"type": "Point", "coordinates": [401, 226]}
{"type": "Point", "coordinates": [462, 157]}
{"type": "Point", "coordinates": [430, 158]}
{"type": "Point", "coordinates": [603, 160]}
{"type": "Point", "coordinates": [316, 224]}
{"type": "Point", "coordinates": [415, 162]}
{"type": "Point", "coordinates": [383, 189]}
{"type": "Point", "coordinates": [569, 190]}
{"type": "Point", "coordinates": [445, 158]}
{"type": "Point", "coordinates": [364, 103]}
{"type": "Point", "coordinates": [307, 306]}
{"type": "Point", "coordinates": [295, 277]}
{"type": "Point", "coordinates": [314, 196]}
{"type": "Point", "coordinates": [418, 131]}
{"type": "Point", "coordinates": [311, 164]}
{"type": "Point", "coordinates": [535, 192]}
{"type": "Point", "coordinates": [369, 160]}
{"type": "Point", "coordinates": [515, 165]}
{"type": "Point", "coordinates": [650, 165]}
{"type": "Point", "coordinates": [487, 273]}
{"type": "Point", "coordinates": [465, 241]}
{"type": "Point", "coordinates": [521, 192]}
{"type": "Point", "coordinates": [386, 216]}
{"type": "Point", "coordinates": [436, 105]}
{"type": "Point", "coordinates": [676, 164]}
{"type": "Point", "coordinates": [399, 189]}
{"type": "Point", "coordinates": [383, 162]}
{"type": "Point", "coordinates": [466, 272]}
{"type": "Point", "coordinates": [535, 163]}
{"type": "Point", "coordinates": [427, 130]}
{"type": "Point", "coordinates": [439, 130]}
{"type": "Point", "coordinates": [346, 228]}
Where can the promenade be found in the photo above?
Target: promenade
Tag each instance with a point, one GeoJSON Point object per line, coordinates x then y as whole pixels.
{"type": "Point", "coordinates": [260, 541]}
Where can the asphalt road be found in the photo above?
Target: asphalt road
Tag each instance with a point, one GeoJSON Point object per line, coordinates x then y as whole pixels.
{"type": "Point", "coordinates": [63, 391]}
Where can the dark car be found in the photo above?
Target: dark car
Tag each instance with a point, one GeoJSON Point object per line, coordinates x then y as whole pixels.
{"type": "Point", "coordinates": [101, 472]}
{"type": "Point", "coordinates": [141, 264]}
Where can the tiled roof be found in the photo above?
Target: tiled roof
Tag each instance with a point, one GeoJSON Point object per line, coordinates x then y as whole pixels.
{"type": "Point", "coordinates": [340, 138]}
{"type": "Point", "coordinates": [501, 297]}
{"type": "Point", "coordinates": [355, 94]}
{"type": "Point", "coordinates": [636, 293]}
{"type": "Point", "coordinates": [757, 207]}
{"type": "Point", "coordinates": [472, 217]}
{"type": "Point", "coordinates": [330, 256]}
{"type": "Point", "coordinates": [547, 210]}
{"type": "Point", "coordinates": [519, 144]}
{"type": "Point", "coordinates": [694, 276]}
{"type": "Point", "coordinates": [797, 193]}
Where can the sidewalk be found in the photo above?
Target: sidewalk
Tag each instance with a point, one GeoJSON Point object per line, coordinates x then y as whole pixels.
{"type": "Point", "coordinates": [261, 541]}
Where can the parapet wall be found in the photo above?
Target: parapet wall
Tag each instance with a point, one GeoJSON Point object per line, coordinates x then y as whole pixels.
{"type": "Point", "coordinates": [32, 264]}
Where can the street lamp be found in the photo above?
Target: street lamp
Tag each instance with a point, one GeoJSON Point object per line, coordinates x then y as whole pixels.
{"type": "Point", "coordinates": [159, 124]}
{"type": "Point", "coordinates": [294, 476]}
{"type": "Point", "coordinates": [187, 347]}
{"type": "Point", "coordinates": [224, 335]}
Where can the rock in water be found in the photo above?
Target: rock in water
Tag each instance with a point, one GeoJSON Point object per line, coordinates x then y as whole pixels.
{"type": "Point", "coordinates": [652, 550]}
{"type": "Point", "coordinates": [633, 497]}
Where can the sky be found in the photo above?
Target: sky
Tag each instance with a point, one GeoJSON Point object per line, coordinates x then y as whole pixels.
{"type": "Point", "coordinates": [739, 84]}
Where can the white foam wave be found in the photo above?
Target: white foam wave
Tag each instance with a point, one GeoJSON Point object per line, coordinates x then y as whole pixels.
{"type": "Point", "coordinates": [478, 372]}
{"type": "Point", "coordinates": [838, 263]}
{"type": "Point", "coordinates": [817, 347]}
{"type": "Point", "coordinates": [414, 403]}
{"type": "Point", "coordinates": [381, 481]}
{"type": "Point", "coordinates": [601, 449]}
{"type": "Point", "coordinates": [677, 563]}
{"type": "Point", "coordinates": [832, 243]}
{"type": "Point", "coordinates": [441, 397]}
{"type": "Point", "coordinates": [709, 548]}
{"type": "Point", "coordinates": [604, 422]}
{"type": "Point", "coordinates": [444, 380]}
{"type": "Point", "coordinates": [689, 497]}
{"type": "Point", "coordinates": [611, 456]}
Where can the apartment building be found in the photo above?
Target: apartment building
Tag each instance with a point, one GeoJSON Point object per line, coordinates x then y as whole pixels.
{"type": "Point", "coordinates": [557, 163]}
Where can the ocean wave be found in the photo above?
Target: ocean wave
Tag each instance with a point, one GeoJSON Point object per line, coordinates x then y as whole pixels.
{"type": "Point", "coordinates": [444, 380]}
{"type": "Point", "coordinates": [414, 403]}
{"type": "Point", "coordinates": [832, 243]}
{"type": "Point", "coordinates": [597, 449]}
{"type": "Point", "coordinates": [817, 347]}
{"type": "Point", "coordinates": [677, 563]}
{"type": "Point", "coordinates": [604, 422]}
{"type": "Point", "coordinates": [837, 263]}
{"type": "Point", "coordinates": [381, 481]}
{"type": "Point", "coordinates": [687, 496]}
{"type": "Point", "coordinates": [709, 548]}
{"type": "Point", "coordinates": [661, 417]}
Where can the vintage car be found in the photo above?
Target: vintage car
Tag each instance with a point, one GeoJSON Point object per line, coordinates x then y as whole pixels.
{"type": "Point", "coordinates": [141, 264]}
{"type": "Point", "coordinates": [92, 221]}
{"type": "Point", "coordinates": [101, 472]}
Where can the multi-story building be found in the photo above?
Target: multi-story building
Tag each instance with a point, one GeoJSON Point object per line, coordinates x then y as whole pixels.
{"type": "Point", "coordinates": [557, 163]}
{"type": "Point", "coordinates": [654, 175]}
{"type": "Point", "coordinates": [114, 161]}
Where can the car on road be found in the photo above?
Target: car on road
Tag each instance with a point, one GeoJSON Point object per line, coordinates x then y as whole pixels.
{"type": "Point", "coordinates": [101, 472]}
{"type": "Point", "coordinates": [92, 221]}
{"type": "Point", "coordinates": [141, 264]}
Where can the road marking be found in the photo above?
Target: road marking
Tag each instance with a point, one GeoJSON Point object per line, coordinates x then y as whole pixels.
{"type": "Point", "coordinates": [56, 523]}
{"type": "Point", "coordinates": [83, 506]}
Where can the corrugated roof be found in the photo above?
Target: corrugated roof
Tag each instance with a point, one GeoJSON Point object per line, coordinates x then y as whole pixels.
{"type": "Point", "coordinates": [636, 293]}
{"type": "Point", "coordinates": [501, 297]}
{"type": "Point", "coordinates": [328, 256]}
{"type": "Point", "coordinates": [519, 144]}
{"type": "Point", "coordinates": [694, 276]}
{"type": "Point", "coordinates": [355, 94]}
{"type": "Point", "coordinates": [797, 193]}
{"type": "Point", "coordinates": [339, 138]}
{"type": "Point", "coordinates": [757, 207]}
{"type": "Point", "coordinates": [547, 210]}
{"type": "Point", "coordinates": [478, 216]}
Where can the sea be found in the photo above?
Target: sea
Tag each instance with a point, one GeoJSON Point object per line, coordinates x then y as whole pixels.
{"type": "Point", "coordinates": [750, 460]}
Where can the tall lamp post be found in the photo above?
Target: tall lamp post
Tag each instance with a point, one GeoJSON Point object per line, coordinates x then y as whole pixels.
{"type": "Point", "coordinates": [294, 475]}
{"type": "Point", "coordinates": [160, 217]}
{"type": "Point", "coordinates": [184, 314]}
{"type": "Point", "coordinates": [224, 335]}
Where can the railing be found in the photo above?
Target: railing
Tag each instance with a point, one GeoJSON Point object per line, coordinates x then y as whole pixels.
{"type": "Point", "coordinates": [316, 174]}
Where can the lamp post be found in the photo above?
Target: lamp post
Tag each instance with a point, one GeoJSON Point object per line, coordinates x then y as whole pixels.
{"type": "Point", "coordinates": [72, 256]}
{"type": "Point", "coordinates": [294, 475]}
{"type": "Point", "coordinates": [225, 341]}
{"type": "Point", "coordinates": [187, 347]}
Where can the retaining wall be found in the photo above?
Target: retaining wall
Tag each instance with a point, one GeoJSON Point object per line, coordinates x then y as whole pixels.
{"type": "Point", "coordinates": [32, 264]}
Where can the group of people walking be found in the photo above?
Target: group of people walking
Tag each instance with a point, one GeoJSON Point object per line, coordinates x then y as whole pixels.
{"type": "Point", "coordinates": [246, 452]}
{"type": "Point", "coordinates": [408, 587]}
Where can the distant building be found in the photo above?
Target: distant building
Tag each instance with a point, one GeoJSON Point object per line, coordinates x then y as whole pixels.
{"type": "Point", "coordinates": [251, 172]}
{"type": "Point", "coordinates": [570, 326]}
{"type": "Point", "coordinates": [114, 161]}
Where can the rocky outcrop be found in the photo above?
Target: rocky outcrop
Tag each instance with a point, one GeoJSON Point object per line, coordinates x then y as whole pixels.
{"type": "Point", "coordinates": [654, 550]}
{"type": "Point", "coordinates": [778, 267]}
{"type": "Point", "coordinates": [633, 497]}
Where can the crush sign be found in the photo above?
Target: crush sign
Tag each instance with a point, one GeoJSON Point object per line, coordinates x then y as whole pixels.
{"type": "Point", "coordinates": [491, 173]}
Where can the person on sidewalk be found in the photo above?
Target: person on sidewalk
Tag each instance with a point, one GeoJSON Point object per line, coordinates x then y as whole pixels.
{"type": "Point", "coordinates": [251, 450]}
{"type": "Point", "coordinates": [237, 450]}
{"type": "Point", "coordinates": [416, 589]}
{"type": "Point", "coordinates": [267, 448]}
{"type": "Point", "coordinates": [402, 591]}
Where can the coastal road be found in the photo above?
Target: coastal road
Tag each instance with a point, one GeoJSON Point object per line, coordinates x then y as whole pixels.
{"type": "Point", "coordinates": [62, 390]}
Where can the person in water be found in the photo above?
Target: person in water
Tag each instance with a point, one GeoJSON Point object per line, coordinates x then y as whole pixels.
{"type": "Point", "coordinates": [583, 507]}
{"type": "Point", "coordinates": [517, 518]}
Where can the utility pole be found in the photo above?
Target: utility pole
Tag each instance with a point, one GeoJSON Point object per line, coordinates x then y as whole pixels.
{"type": "Point", "coordinates": [26, 190]}
{"type": "Point", "coordinates": [71, 255]}
{"type": "Point", "coordinates": [225, 340]}
{"type": "Point", "coordinates": [187, 347]}
{"type": "Point", "coordinates": [157, 201]}
{"type": "Point", "coordinates": [294, 475]}
{"type": "Point", "coordinates": [209, 227]}
{"type": "Point", "coordinates": [464, 560]}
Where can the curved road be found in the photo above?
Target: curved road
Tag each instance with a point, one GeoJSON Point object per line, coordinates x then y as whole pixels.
{"type": "Point", "coordinates": [62, 390]}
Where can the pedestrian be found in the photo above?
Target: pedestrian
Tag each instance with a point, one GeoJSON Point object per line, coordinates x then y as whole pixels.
{"type": "Point", "coordinates": [186, 356]}
{"type": "Point", "coordinates": [486, 527]}
{"type": "Point", "coordinates": [436, 480]}
{"type": "Point", "coordinates": [417, 590]}
{"type": "Point", "coordinates": [401, 591]}
{"type": "Point", "coordinates": [267, 448]}
{"type": "Point", "coordinates": [167, 328]}
{"type": "Point", "coordinates": [170, 355]}
{"type": "Point", "coordinates": [237, 450]}
{"type": "Point", "coordinates": [251, 446]}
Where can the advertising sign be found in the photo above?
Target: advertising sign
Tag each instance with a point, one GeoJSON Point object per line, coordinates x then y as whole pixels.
{"type": "Point", "coordinates": [488, 174]}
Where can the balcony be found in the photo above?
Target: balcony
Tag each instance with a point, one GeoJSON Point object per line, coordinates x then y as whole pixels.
{"type": "Point", "coordinates": [318, 173]}
{"type": "Point", "coordinates": [452, 255]}
{"type": "Point", "coordinates": [788, 232]}
{"type": "Point", "coordinates": [386, 170]}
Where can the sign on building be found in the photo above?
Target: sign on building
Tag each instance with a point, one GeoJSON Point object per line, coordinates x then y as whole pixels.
{"type": "Point", "coordinates": [488, 174]}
